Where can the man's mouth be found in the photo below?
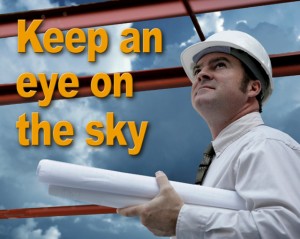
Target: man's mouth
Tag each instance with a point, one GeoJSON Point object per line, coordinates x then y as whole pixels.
{"type": "Point", "coordinates": [204, 87]}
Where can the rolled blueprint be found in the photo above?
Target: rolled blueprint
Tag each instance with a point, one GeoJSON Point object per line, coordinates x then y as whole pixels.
{"type": "Point", "coordinates": [96, 197]}
{"type": "Point", "coordinates": [81, 182]}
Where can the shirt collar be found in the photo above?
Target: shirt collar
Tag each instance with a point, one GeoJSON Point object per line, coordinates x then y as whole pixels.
{"type": "Point", "coordinates": [236, 130]}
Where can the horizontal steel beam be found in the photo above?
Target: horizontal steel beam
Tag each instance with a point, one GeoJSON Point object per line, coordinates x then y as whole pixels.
{"type": "Point", "coordinates": [115, 12]}
{"type": "Point", "coordinates": [55, 211]}
{"type": "Point", "coordinates": [283, 65]}
{"type": "Point", "coordinates": [287, 64]}
{"type": "Point", "coordinates": [143, 80]}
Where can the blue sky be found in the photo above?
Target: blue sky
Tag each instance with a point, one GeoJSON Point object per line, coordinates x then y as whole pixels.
{"type": "Point", "coordinates": [176, 136]}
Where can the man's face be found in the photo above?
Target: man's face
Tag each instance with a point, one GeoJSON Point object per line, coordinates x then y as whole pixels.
{"type": "Point", "coordinates": [217, 85]}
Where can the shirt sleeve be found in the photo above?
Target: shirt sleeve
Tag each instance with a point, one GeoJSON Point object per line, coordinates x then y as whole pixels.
{"type": "Point", "coordinates": [267, 177]}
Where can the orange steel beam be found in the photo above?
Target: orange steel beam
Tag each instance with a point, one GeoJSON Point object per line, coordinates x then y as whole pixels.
{"type": "Point", "coordinates": [55, 211]}
{"type": "Point", "coordinates": [142, 81]}
{"type": "Point", "coordinates": [114, 12]}
{"type": "Point", "coordinates": [283, 65]}
{"type": "Point", "coordinates": [287, 64]}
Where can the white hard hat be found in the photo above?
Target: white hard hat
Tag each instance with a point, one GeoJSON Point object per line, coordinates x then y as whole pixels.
{"type": "Point", "coordinates": [239, 44]}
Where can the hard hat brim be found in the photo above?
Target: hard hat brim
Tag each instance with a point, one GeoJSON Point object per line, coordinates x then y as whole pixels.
{"type": "Point", "coordinates": [196, 51]}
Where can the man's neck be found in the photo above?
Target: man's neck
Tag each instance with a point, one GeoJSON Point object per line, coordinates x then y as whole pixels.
{"type": "Point", "coordinates": [217, 124]}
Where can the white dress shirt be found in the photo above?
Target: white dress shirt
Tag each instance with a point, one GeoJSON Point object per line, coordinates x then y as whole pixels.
{"type": "Point", "coordinates": [262, 165]}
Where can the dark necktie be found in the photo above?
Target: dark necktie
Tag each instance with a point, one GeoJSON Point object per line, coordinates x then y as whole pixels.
{"type": "Point", "coordinates": [205, 163]}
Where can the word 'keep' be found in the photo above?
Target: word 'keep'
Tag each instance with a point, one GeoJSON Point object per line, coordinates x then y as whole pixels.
{"type": "Point", "coordinates": [75, 40]}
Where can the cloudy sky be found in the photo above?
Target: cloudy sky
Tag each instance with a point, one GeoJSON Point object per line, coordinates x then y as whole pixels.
{"type": "Point", "coordinates": [176, 136]}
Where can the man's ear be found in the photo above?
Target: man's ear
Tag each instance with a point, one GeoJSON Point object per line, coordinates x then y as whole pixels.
{"type": "Point", "coordinates": [254, 88]}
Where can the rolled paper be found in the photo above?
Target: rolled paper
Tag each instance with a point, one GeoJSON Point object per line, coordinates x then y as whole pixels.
{"type": "Point", "coordinates": [132, 186]}
{"type": "Point", "coordinates": [96, 197]}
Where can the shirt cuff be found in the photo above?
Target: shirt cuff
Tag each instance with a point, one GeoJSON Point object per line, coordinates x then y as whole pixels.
{"type": "Point", "coordinates": [190, 222]}
{"type": "Point", "coordinates": [195, 222]}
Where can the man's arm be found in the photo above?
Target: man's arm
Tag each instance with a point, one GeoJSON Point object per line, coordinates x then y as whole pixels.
{"type": "Point", "coordinates": [269, 187]}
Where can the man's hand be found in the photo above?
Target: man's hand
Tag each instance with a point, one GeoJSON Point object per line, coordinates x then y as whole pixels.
{"type": "Point", "coordinates": [160, 214]}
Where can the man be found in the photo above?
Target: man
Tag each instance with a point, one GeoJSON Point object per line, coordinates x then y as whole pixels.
{"type": "Point", "coordinates": [231, 76]}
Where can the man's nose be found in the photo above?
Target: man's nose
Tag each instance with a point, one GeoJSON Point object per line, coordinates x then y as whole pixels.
{"type": "Point", "coordinates": [204, 74]}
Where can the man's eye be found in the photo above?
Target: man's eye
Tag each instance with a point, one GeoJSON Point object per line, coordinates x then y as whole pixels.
{"type": "Point", "coordinates": [220, 65]}
{"type": "Point", "coordinates": [196, 71]}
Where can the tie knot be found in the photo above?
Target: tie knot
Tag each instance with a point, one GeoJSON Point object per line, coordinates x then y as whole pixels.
{"type": "Point", "coordinates": [205, 163]}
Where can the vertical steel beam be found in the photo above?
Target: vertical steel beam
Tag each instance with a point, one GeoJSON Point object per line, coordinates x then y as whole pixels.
{"type": "Point", "coordinates": [194, 19]}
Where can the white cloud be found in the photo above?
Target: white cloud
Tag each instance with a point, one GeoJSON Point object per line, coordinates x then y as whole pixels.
{"type": "Point", "coordinates": [70, 3]}
{"type": "Point", "coordinates": [20, 5]}
{"type": "Point", "coordinates": [79, 113]}
{"type": "Point", "coordinates": [35, 205]}
{"type": "Point", "coordinates": [77, 220]}
{"type": "Point", "coordinates": [114, 224]}
{"type": "Point", "coordinates": [193, 39]}
{"type": "Point", "coordinates": [211, 22]}
{"type": "Point", "coordinates": [242, 21]}
{"type": "Point", "coordinates": [35, 4]}
{"type": "Point", "coordinates": [29, 230]}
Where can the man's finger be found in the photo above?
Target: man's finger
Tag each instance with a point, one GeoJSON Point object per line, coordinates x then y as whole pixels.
{"type": "Point", "coordinates": [162, 179]}
{"type": "Point", "coordinates": [130, 211]}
